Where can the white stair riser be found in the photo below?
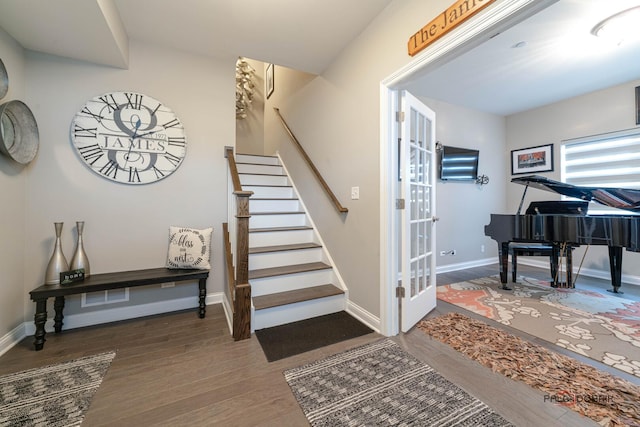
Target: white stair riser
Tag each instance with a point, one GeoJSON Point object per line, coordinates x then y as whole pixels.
{"type": "Point", "coordinates": [275, 220]}
{"type": "Point", "coordinates": [248, 158]}
{"type": "Point", "coordinates": [282, 258]}
{"type": "Point", "coordinates": [291, 205]}
{"type": "Point", "coordinates": [272, 238]}
{"type": "Point", "coordinates": [258, 191]}
{"type": "Point", "coordinates": [275, 316]}
{"type": "Point", "coordinates": [263, 169]}
{"type": "Point", "coordinates": [291, 282]}
{"type": "Point", "coordinates": [263, 180]}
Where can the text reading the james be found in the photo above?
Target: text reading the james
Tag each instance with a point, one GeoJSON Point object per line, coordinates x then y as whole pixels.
{"type": "Point", "coordinates": [455, 15]}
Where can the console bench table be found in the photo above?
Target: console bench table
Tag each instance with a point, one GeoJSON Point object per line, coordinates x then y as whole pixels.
{"type": "Point", "coordinates": [106, 281]}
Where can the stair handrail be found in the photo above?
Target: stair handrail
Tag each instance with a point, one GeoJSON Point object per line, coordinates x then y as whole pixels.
{"type": "Point", "coordinates": [316, 172]}
{"type": "Point", "coordinates": [239, 286]}
{"type": "Point", "coordinates": [233, 169]}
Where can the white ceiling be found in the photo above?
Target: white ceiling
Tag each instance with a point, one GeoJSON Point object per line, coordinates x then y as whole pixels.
{"type": "Point", "coordinates": [305, 35]}
{"type": "Point", "coordinates": [560, 60]}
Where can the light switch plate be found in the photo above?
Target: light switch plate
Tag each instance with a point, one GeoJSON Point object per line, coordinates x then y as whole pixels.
{"type": "Point", "coordinates": [355, 193]}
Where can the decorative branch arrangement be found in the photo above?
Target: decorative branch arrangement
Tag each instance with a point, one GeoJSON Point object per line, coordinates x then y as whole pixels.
{"type": "Point", "coordinates": [245, 87]}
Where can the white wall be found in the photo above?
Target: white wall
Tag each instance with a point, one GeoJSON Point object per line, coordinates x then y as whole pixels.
{"type": "Point", "coordinates": [599, 112]}
{"type": "Point", "coordinates": [126, 227]}
{"type": "Point", "coordinates": [13, 183]}
{"type": "Point", "coordinates": [336, 116]}
{"type": "Point", "coordinates": [464, 208]}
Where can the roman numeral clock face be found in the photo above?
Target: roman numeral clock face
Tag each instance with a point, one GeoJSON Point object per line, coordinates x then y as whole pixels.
{"type": "Point", "coordinates": [128, 137]}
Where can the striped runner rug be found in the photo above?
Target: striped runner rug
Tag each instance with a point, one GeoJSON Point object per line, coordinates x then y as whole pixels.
{"type": "Point", "coordinates": [54, 395]}
{"type": "Point", "coordinates": [381, 384]}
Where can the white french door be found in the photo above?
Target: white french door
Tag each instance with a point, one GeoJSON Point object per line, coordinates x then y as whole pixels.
{"type": "Point", "coordinates": [417, 224]}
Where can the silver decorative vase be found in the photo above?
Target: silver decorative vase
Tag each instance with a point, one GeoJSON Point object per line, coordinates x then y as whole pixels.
{"type": "Point", "coordinates": [79, 259]}
{"type": "Point", "coordinates": [57, 263]}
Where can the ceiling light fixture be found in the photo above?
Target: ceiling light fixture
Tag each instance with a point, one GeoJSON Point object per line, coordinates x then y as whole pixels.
{"type": "Point", "coordinates": [619, 27]}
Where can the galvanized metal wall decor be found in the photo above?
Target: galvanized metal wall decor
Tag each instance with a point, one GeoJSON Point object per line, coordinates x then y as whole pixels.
{"type": "Point", "coordinates": [19, 139]}
{"type": "Point", "coordinates": [4, 80]}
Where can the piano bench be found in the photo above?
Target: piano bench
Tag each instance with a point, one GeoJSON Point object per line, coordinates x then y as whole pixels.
{"type": "Point", "coordinates": [528, 249]}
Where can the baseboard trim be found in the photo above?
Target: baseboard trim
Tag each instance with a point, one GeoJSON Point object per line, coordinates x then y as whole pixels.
{"type": "Point", "coordinates": [364, 316]}
{"type": "Point", "coordinates": [12, 338]}
{"type": "Point", "coordinates": [463, 265]}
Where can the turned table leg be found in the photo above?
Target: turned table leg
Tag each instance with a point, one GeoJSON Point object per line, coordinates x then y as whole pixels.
{"type": "Point", "coordinates": [202, 285]}
{"type": "Point", "coordinates": [58, 305]}
{"type": "Point", "coordinates": [40, 319]}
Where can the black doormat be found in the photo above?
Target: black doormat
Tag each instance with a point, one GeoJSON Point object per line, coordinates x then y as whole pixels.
{"type": "Point", "coordinates": [294, 338]}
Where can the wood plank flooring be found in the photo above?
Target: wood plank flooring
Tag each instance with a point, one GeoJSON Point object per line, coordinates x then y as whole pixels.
{"type": "Point", "coordinates": [176, 370]}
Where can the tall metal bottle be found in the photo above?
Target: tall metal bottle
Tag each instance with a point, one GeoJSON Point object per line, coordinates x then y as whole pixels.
{"type": "Point", "coordinates": [79, 259]}
{"type": "Point", "coordinates": [58, 263]}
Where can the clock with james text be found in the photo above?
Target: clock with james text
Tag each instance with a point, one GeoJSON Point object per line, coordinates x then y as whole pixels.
{"type": "Point", "coordinates": [129, 137]}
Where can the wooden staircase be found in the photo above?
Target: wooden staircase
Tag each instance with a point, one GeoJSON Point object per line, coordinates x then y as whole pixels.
{"type": "Point", "coordinates": [291, 274]}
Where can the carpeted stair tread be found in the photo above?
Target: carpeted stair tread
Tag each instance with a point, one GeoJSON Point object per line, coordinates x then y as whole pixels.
{"type": "Point", "coordinates": [281, 248]}
{"type": "Point", "coordinates": [295, 296]}
{"type": "Point", "coordinates": [287, 269]}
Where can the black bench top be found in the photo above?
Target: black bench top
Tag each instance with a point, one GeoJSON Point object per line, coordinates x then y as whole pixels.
{"type": "Point", "coordinates": [121, 279]}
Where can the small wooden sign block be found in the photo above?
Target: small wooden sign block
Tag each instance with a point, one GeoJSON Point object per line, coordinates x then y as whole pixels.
{"type": "Point", "coordinates": [71, 276]}
{"type": "Point", "coordinates": [455, 15]}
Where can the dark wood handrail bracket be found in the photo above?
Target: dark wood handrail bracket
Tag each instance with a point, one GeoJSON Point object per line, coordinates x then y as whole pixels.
{"type": "Point", "coordinates": [315, 170]}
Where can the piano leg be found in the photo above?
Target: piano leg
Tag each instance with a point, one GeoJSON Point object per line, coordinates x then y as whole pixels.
{"type": "Point", "coordinates": [503, 255]}
{"type": "Point", "coordinates": [569, 257]}
{"type": "Point", "coordinates": [553, 260]}
{"type": "Point", "coordinates": [615, 264]}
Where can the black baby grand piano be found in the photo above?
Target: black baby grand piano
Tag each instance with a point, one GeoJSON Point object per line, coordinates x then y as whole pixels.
{"type": "Point", "coordinates": [566, 222]}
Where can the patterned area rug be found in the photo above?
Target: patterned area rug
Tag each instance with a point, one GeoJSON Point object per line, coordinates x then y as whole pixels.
{"type": "Point", "coordinates": [380, 384]}
{"type": "Point", "coordinates": [602, 327]}
{"type": "Point", "coordinates": [607, 399]}
{"type": "Point", "coordinates": [54, 395]}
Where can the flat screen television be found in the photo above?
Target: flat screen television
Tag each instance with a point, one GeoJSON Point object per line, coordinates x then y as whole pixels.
{"type": "Point", "coordinates": [458, 164]}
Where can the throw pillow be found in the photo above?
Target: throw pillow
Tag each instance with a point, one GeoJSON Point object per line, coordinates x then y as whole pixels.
{"type": "Point", "coordinates": [189, 248]}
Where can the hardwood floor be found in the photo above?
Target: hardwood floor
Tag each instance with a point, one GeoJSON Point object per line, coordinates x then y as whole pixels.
{"type": "Point", "coordinates": [176, 369]}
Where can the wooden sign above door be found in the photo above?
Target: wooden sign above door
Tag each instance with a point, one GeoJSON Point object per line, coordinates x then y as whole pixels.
{"type": "Point", "coordinates": [455, 15]}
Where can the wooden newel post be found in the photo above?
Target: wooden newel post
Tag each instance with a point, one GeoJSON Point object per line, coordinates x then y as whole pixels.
{"type": "Point", "coordinates": [242, 312]}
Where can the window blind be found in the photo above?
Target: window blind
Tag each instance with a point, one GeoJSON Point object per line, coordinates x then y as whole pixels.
{"type": "Point", "coordinates": [609, 160]}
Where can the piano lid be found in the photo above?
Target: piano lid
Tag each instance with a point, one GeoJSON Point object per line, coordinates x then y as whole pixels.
{"type": "Point", "coordinates": [621, 198]}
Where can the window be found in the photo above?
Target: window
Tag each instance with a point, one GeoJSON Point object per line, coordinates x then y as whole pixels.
{"type": "Point", "coordinates": [609, 160]}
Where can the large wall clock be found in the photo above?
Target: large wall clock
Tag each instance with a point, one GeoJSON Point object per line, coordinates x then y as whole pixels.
{"type": "Point", "coordinates": [128, 137]}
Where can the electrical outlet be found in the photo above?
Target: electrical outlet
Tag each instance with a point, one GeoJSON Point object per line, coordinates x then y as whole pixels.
{"type": "Point", "coordinates": [482, 248]}
{"type": "Point", "coordinates": [355, 193]}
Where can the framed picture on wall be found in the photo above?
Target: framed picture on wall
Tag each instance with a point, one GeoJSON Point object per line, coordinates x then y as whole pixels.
{"type": "Point", "coordinates": [638, 105]}
{"type": "Point", "coordinates": [532, 160]}
{"type": "Point", "coordinates": [268, 80]}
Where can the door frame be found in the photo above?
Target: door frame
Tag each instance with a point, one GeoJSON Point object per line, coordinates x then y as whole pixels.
{"type": "Point", "coordinates": [497, 18]}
